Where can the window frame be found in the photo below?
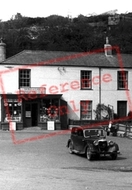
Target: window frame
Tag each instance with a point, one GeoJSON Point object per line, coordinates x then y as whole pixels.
{"type": "Point", "coordinates": [82, 75]}
{"type": "Point", "coordinates": [87, 111]}
{"type": "Point", "coordinates": [121, 84]}
{"type": "Point", "coordinates": [13, 110]}
{"type": "Point", "coordinates": [25, 78]}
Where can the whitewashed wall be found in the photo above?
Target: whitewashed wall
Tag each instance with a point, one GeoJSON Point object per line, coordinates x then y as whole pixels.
{"type": "Point", "coordinates": [110, 93]}
{"type": "Point", "coordinates": [54, 77]}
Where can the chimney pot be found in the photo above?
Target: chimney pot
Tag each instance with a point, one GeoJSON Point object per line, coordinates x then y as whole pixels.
{"type": "Point", "coordinates": [107, 48]}
{"type": "Point", "coordinates": [2, 50]}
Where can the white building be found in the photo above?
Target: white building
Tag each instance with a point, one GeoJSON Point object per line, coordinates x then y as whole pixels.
{"type": "Point", "coordinates": [38, 86]}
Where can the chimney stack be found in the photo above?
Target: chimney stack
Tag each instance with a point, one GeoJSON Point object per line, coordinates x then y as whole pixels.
{"type": "Point", "coordinates": [2, 50]}
{"type": "Point", "coordinates": [107, 48]}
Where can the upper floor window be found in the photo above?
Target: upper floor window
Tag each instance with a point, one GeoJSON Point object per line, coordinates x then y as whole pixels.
{"type": "Point", "coordinates": [86, 110]}
{"type": "Point", "coordinates": [86, 79]}
{"type": "Point", "coordinates": [24, 78]}
{"type": "Point", "coordinates": [122, 80]}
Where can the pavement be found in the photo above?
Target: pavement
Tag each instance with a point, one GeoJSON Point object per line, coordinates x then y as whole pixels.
{"type": "Point", "coordinates": [38, 130]}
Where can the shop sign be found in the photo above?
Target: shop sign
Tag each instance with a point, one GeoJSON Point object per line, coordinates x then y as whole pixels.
{"type": "Point", "coordinates": [32, 90]}
{"type": "Point", "coordinates": [12, 100]}
{"type": "Point", "coordinates": [50, 125]}
{"type": "Point", "coordinates": [7, 101]}
{"type": "Point", "coordinates": [28, 113]}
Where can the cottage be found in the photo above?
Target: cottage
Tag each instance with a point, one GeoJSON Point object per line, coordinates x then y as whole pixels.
{"type": "Point", "coordinates": [42, 86]}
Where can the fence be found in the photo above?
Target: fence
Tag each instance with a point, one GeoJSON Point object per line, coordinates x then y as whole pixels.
{"type": "Point", "coordinates": [129, 131]}
{"type": "Point", "coordinates": [121, 131]}
{"type": "Point", "coordinates": [124, 128]}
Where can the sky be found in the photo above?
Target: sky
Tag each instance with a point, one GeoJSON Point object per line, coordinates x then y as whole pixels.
{"type": "Point", "coordinates": [44, 8]}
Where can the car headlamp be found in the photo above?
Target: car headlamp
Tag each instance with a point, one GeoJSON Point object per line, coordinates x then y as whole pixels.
{"type": "Point", "coordinates": [96, 142]}
{"type": "Point", "coordinates": [111, 143]}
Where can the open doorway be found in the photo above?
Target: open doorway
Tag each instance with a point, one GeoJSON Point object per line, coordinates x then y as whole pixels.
{"type": "Point", "coordinates": [31, 114]}
{"type": "Point", "coordinates": [122, 109]}
{"type": "Point", "coordinates": [34, 114]}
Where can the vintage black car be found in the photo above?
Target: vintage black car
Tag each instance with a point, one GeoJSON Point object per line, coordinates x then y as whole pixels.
{"type": "Point", "coordinates": [92, 142]}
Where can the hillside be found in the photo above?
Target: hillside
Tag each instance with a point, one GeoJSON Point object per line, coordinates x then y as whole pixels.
{"type": "Point", "coordinates": [64, 34]}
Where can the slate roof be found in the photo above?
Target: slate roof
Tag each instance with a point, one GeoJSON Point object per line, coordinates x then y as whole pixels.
{"type": "Point", "coordinates": [59, 58]}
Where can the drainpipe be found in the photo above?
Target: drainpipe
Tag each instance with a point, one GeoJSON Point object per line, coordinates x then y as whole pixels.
{"type": "Point", "coordinates": [100, 88]}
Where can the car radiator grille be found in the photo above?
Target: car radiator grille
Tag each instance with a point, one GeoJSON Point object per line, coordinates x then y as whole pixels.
{"type": "Point", "coordinates": [103, 146]}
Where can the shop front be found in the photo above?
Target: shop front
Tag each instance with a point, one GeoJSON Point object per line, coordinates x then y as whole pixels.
{"type": "Point", "coordinates": [48, 112]}
{"type": "Point", "coordinates": [11, 112]}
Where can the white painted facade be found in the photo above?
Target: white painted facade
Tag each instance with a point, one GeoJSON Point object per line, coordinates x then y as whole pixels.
{"type": "Point", "coordinates": [62, 80]}
{"type": "Point", "coordinates": [65, 80]}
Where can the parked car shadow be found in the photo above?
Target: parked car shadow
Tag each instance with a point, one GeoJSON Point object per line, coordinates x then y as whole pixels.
{"type": "Point", "coordinates": [103, 158]}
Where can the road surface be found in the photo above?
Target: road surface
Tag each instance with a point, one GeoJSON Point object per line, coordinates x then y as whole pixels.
{"type": "Point", "coordinates": [46, 164]}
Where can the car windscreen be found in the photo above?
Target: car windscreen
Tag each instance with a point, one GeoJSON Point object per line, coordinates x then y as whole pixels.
{"type": "Point", "coordinates": [93, 132]}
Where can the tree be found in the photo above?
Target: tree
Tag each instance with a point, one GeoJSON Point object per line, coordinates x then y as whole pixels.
{"type": "Point", "coordinates": [103, 112]}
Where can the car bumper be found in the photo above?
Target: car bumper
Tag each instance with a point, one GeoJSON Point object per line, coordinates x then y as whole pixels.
{"type": "Point", "coordinates": [106, 152]}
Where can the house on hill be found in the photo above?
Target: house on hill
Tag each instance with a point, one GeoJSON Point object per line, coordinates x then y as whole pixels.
{"type": "Point", "coordinates": [47, 88]}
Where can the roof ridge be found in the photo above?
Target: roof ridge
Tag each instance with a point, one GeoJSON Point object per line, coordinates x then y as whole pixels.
{"type": "Point", "coordinates": [54, 51]}
{"type": "Point", "coordinates": [98, 59]}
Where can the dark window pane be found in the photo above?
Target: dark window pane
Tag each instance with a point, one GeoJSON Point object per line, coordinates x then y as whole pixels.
{"type": "Point", "coordinates": [122, 79]}
{"type": "Point", "coordinates": [24, 78]}
{"type": "Point", "coordinates": [86, 79]}
{"type": "Point", "coordinates": [86, 110]}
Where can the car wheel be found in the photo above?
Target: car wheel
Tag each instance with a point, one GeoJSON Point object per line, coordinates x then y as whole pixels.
{"type": "Point", "coordinates": [89, 154]}
{"type": "Point", "coordinates": [114, 156]}
{"type": "Point", "coordinates": [70, 147]}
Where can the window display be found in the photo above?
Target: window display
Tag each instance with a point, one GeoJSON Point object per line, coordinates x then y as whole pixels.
{"type": "Point", "coordinates": [12, 110]}
{"type": "Point", "coordinates": [49, 110]}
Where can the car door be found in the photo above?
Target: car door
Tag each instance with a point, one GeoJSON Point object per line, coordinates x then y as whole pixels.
{"type": "Point", "coordinates": [80, 142]}
{"type": "Point", "coordinates": [74, 137]}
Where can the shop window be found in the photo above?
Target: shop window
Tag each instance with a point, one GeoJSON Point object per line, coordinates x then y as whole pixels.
{"type": "Point", "coordinates": [122, 80]}
{"type": "Point", "coordinates": [86, 110]}
{"type": "Point", "coordinates": [12, 110]}
{"type": "Point", "coordinates": [86, 80]}
{"type": "Point", "coordinates": [49, 110]}
{"type": "Point", "coordinates": [24, 78]}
